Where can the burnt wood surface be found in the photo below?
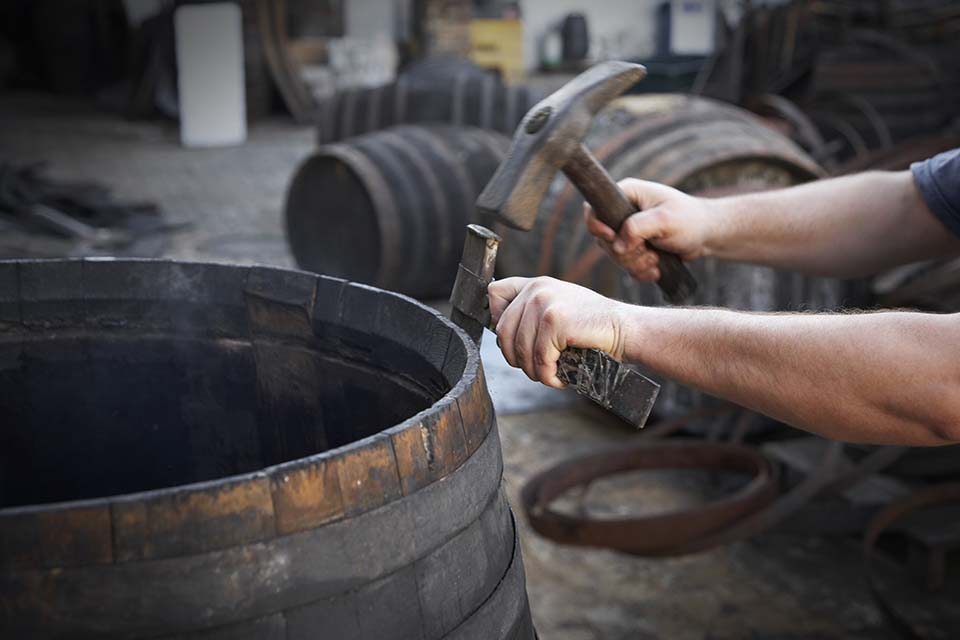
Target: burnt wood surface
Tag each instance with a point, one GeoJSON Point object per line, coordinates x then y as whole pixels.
{"type": "Point", "coordinates": [203, 451]}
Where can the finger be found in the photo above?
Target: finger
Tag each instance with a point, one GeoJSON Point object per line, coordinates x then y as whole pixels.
{"type": "Point", "coordinates": [646, 275]}
{"type": "Point", "coordinates": [605, 245]}
{"type": "Point", "coordinates": [502, 293]}
{"type": "Point", "coordinates": [643, 193]}
{"type": "Point", "coordinates": [608, 249]}
{"type": "Point", "coordinates": [640, 228]}
{"type": "Point", "coordinates": [506, 329]}
{"type": "Point", "coordinates": [524, 339]}
{"type": "Point", "coordinates": [642, 259]}
{"type": "Point", "coordinates": [546, 352]}
{"type": "Point", "coordinates": [597, 227]}
{"type": "Point", "coordinates": [509, 322]}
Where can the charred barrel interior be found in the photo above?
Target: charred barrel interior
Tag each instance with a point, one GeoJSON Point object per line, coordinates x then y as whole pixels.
{"type": "Point", "coordinates": [100, 412]}
{"type": "Point", "coordinates": [253, 451]}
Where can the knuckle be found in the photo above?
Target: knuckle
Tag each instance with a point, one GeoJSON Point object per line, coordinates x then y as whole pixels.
{"type": "Point", "coordinates": [631, 226]}
{"type": "Point", "coordinates": [541, 297]}
{"type": "Point", "coordinates": [659, 216]}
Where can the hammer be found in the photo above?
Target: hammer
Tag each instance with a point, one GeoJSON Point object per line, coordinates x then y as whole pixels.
{"type": "Point", "coordinates": [550, 138]}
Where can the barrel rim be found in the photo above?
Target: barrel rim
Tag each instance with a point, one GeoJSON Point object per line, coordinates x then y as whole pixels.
{"type": "Point", "coordinates": [470, 379]}
{"type": "Point", "coordinates": [417, 537]}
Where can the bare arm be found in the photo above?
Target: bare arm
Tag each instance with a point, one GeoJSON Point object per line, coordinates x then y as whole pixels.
{"type": "Point", "coordinates": [843, 227]}
{"type": "Point", "coordinates": [878, 377]}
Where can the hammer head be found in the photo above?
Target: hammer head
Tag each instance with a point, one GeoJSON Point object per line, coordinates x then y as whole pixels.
{"type": "Point", "coordinates": [546, 138]}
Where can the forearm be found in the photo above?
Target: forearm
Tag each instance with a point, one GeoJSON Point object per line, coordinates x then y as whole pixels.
{"type": "Point", "coordinates": [879, 377]}
{"type": "Point", "coordinates": [843, 227]}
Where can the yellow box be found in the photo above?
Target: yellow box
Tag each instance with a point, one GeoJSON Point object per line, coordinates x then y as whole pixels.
{"type": "Point", "coordinates": [498, 44]}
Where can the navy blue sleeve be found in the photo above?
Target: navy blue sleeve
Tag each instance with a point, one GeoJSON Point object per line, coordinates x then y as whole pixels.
{"type": "Point", "coordinates": [938, 180]}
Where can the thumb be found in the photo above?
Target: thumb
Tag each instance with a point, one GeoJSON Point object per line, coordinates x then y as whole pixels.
{"type": "Point", "coordinates": [502, 293]}
{"type": "Point", "coordinates": [644, 193]}
{"type": "Point", "coordinates": [644, 225]}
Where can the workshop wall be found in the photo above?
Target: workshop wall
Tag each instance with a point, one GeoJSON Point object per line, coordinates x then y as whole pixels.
{"type": "Point", "coordinates": [618, 28]}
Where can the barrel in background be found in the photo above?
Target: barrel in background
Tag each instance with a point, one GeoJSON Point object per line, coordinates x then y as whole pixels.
{"type": "Point", "coordinates": [464, 98]}
{"type": "Point", "coordinates": [389, 208]}
{"type": "Point", "coordinates": [244, 452]}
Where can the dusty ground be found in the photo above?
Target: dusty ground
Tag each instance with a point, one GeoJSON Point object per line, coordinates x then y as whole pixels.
{"type": "Point", "coordinates": [778, 586]}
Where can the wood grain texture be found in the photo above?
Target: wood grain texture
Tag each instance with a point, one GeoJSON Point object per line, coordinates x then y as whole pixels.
{"type": "Point", "coordinates": [306, 494]}
{"type": "Point", "coordinates": [171, 524]}
{"type": "Point", "coordinates": [69, 537]}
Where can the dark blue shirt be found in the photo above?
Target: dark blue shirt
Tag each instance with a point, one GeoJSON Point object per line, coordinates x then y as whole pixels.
{"type": "Point", "coordinates": [938, 180]}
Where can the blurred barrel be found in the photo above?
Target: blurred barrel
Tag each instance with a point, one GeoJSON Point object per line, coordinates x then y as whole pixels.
{"type": "Point", "coordinates": [389, 208]}
{"type": "Point", "coordinates": [698, 146]}
{"type": "Point", "coordinates": [466, 98]}
{"type": "Point", "coordinates": [222, 452]}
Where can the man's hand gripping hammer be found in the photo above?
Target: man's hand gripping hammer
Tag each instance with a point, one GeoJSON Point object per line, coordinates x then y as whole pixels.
{"type": "Point", "coordinates": [550, 139]}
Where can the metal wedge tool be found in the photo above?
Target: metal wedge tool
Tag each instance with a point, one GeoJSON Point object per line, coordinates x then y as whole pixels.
{"type": "Point", "coordinates": [591, 372]}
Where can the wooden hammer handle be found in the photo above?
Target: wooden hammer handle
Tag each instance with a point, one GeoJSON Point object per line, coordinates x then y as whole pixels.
{"type": "Point", "coordinates": [613, 208]}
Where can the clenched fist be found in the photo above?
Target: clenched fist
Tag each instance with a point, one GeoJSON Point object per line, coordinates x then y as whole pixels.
{"type": "Point", "coordinates": [537, 318]}
{"type": "Point", "coordinates": [668, 219]}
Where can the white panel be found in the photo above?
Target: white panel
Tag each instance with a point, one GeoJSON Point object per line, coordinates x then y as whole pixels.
{"type": "Point", "coordinates": [692, 26]}
{"type": "Point", "coordinates": [370, 18]}
{"type": "Point", "coordinates": [209, 43]}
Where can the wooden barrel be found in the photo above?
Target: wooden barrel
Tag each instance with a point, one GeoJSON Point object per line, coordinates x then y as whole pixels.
{"type": "Point", "coordinates": [389, 208]}
{"type": "Point", "coordinates": [699, 146]}
{"type": "Point", "coordinates": [468, 98]}
{"type": "Point", "coordinates": [226, 452]}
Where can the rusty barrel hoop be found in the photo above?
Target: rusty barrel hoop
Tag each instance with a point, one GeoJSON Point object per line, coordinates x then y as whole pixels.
{"type": "Point", "coordinates": [388, 208]}
{"type": "Point", "coordinates": [244, 452]}
{"type": "Point", "coordinates": [654, 535]}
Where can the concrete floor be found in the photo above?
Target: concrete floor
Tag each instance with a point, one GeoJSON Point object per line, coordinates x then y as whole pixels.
{"type": "Point", "coordinates": [776, 586]}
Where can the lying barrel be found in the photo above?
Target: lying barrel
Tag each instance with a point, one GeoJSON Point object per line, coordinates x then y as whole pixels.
{"type": "Point", "coordinates": [469, 98]}
{"type": "Point", "coordinates": [698, 146]}
{"type": "Point", "coordinates": [389, 208]}
{"type": "Point", "coordinates": [212, 451]}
